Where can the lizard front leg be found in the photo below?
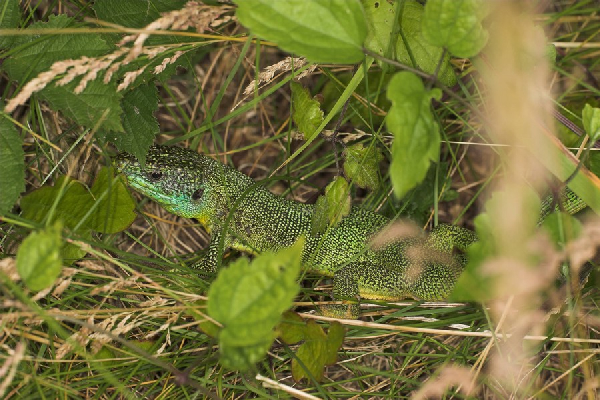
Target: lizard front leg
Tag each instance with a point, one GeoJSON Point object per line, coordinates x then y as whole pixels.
{"type": "Point", "coordinates": [209, 262]}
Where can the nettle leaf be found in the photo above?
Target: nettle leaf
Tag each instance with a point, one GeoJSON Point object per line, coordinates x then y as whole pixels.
{"type": "Point", "coordinates": [10, 18]}
{"type": "Point", "coordinates": [39, 260]}
{"type": "Point", "coordinates": [98, 102]}
{"type": "Point", "coordinates": [138, 14]}
{"type": "Point", "coordinates": [12, 159]}
{"type": "Point", "coordinates": [139, 122]}
{"type": "Point", "coordinates": [323, 31]}
{"type": "Point", "coordinates": [591, 121]}
{"type": "Point", "coordinates": [306, 113]}
{"type": "Point", "coordinates": [416, 134]}
{"type": "Point", "coordinates": [318, 349]}
{"type": "Point", "coordinates": [331, 208]}
{"type": "Point", "coordinates": [248, 298]}
{"type": "Point", "coordinates": [412, 45]}
{"type": "Point", "coordinates": [362, 165]}
{"type": "Point", "coordinates": [455, 25]}
{"type": "Point", "coordinates": [135, 14]}
{"type": "Point", "coordinates": [36, 53]}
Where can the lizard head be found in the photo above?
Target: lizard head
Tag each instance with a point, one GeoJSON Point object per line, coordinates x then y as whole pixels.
{"type": "Point", "coordinates": [176, 178]}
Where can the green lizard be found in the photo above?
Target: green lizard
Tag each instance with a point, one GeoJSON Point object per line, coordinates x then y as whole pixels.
{"type": "Point", "coordinates": [193, 185]}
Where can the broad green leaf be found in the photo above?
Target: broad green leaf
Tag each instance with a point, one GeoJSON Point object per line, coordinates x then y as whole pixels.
{"type": "Point", "coordinates": [323, 31]}
{"type": "Point", "coordinates": [292, 327]}
{"type": "Point", "coordinates": [10, 17]}
{"type": "Point", "coordinates": [416, 134]}
{"type": "Point", "coordinates": [68, 200]}
{"type": "Point", "coordinates": [243, 357]}
{"type": "Point", "coordinates": [411, 45]}
{"type": "Point", "coordinates": [12, 160]}
{"type": "Point", "coordinates": [333, 206]}
{"type": "Point", "coordinates": [307, 113]}
{"type": "Point", "coordinates": [476, 283]}
{"type": "Point", "coordinates": [380, 17]}
{"type": "Point", "coordinates": [115, 209]}
{"type": "Point", "coordinates": [455, 25]}
{"type": "Point", "coordinates": [473, 284]}
{"type": "Point", "coordinates": [317, 351]}
{"type": "Point", "coordinates": [139, 122]}
{"type": "Point", "coordinates": [362, 165]}
{"type": "Point", "coordinates": [39, 261]}
{"type": "Point", "coordinates": [36, 53]}
{"type": "Point", "coordinates": [562, 227]}
{"type": "Point", "coordinates": [591, 121]}
{"type": "Point", "coordinates": [248, 298]}
{"type": "Point", "coordinates": [335, 339]}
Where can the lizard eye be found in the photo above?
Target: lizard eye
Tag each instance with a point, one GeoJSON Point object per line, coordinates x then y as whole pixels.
{"type": "Point", "coordinates": [197, 195]}
{"type": "Point", "coordinates": [156, 175]}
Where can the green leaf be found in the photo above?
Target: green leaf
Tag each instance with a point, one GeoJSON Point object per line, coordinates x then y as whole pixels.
{"type": "Point", "coordinates": [323, 31]}
{"type": "Point", "coordinates": [562, 227]}
{"type": "Point", "coordinates": [380, 17]}
{"type": "Point", "coordinates": [362, 165]}
{"type": "Point", "coordinates": [68, 200]}
{"type": "Point", "coordinates": [12, 159]}
{"type": "Point", "coordinates": [477, 283]}
{"type": "Point", "coordinates": [138, 14]}
{"type": "Point", "coordinates": [10, 17]}
{"type": "Point", "coordinates": [306, 113]}
{"type": "Point", "coordinates": [412, 46]}
{"type": "Point", "coordinates": [320, 220]}
{"type": "Point", "coordinates": [317, 351]}
{"type": "Point", "coordinates": [591, 121]}
{"type": "Point", "coordinates": [333, 207]}
{"type": "Point", "coordinates": [115, 208]}
{"type": "Point", "coordinates": [134, 14]}
{"type": "Point", "coordinates": [99, 101]}
{"type": "Point", "coordinates": [338, 200]}
{"type": "Point", "coordinates": [416, 134]}
{"type": "Point", "coordinates": [248, 298]}
{"type": "Point", "coordinates": [139, 122]}
{"type": "Point", "coordinates": [455, 25]}
{"type": "Point", "coordinates": [36, 53]}
{"type": "Point", "coordinates": [292, 327]}
{"type": "Point", "coordinates": [39, 261]}
{"type": "Point", "coordinates": [473, 284]}
{"type": "Point", "coordinates": [335, 339]}
{"type": "Point", "coordinates": [107, 208]}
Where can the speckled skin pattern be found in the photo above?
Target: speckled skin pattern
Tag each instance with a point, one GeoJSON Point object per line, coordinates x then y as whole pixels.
{"type": "Point", "coordinates": [193, 185]}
